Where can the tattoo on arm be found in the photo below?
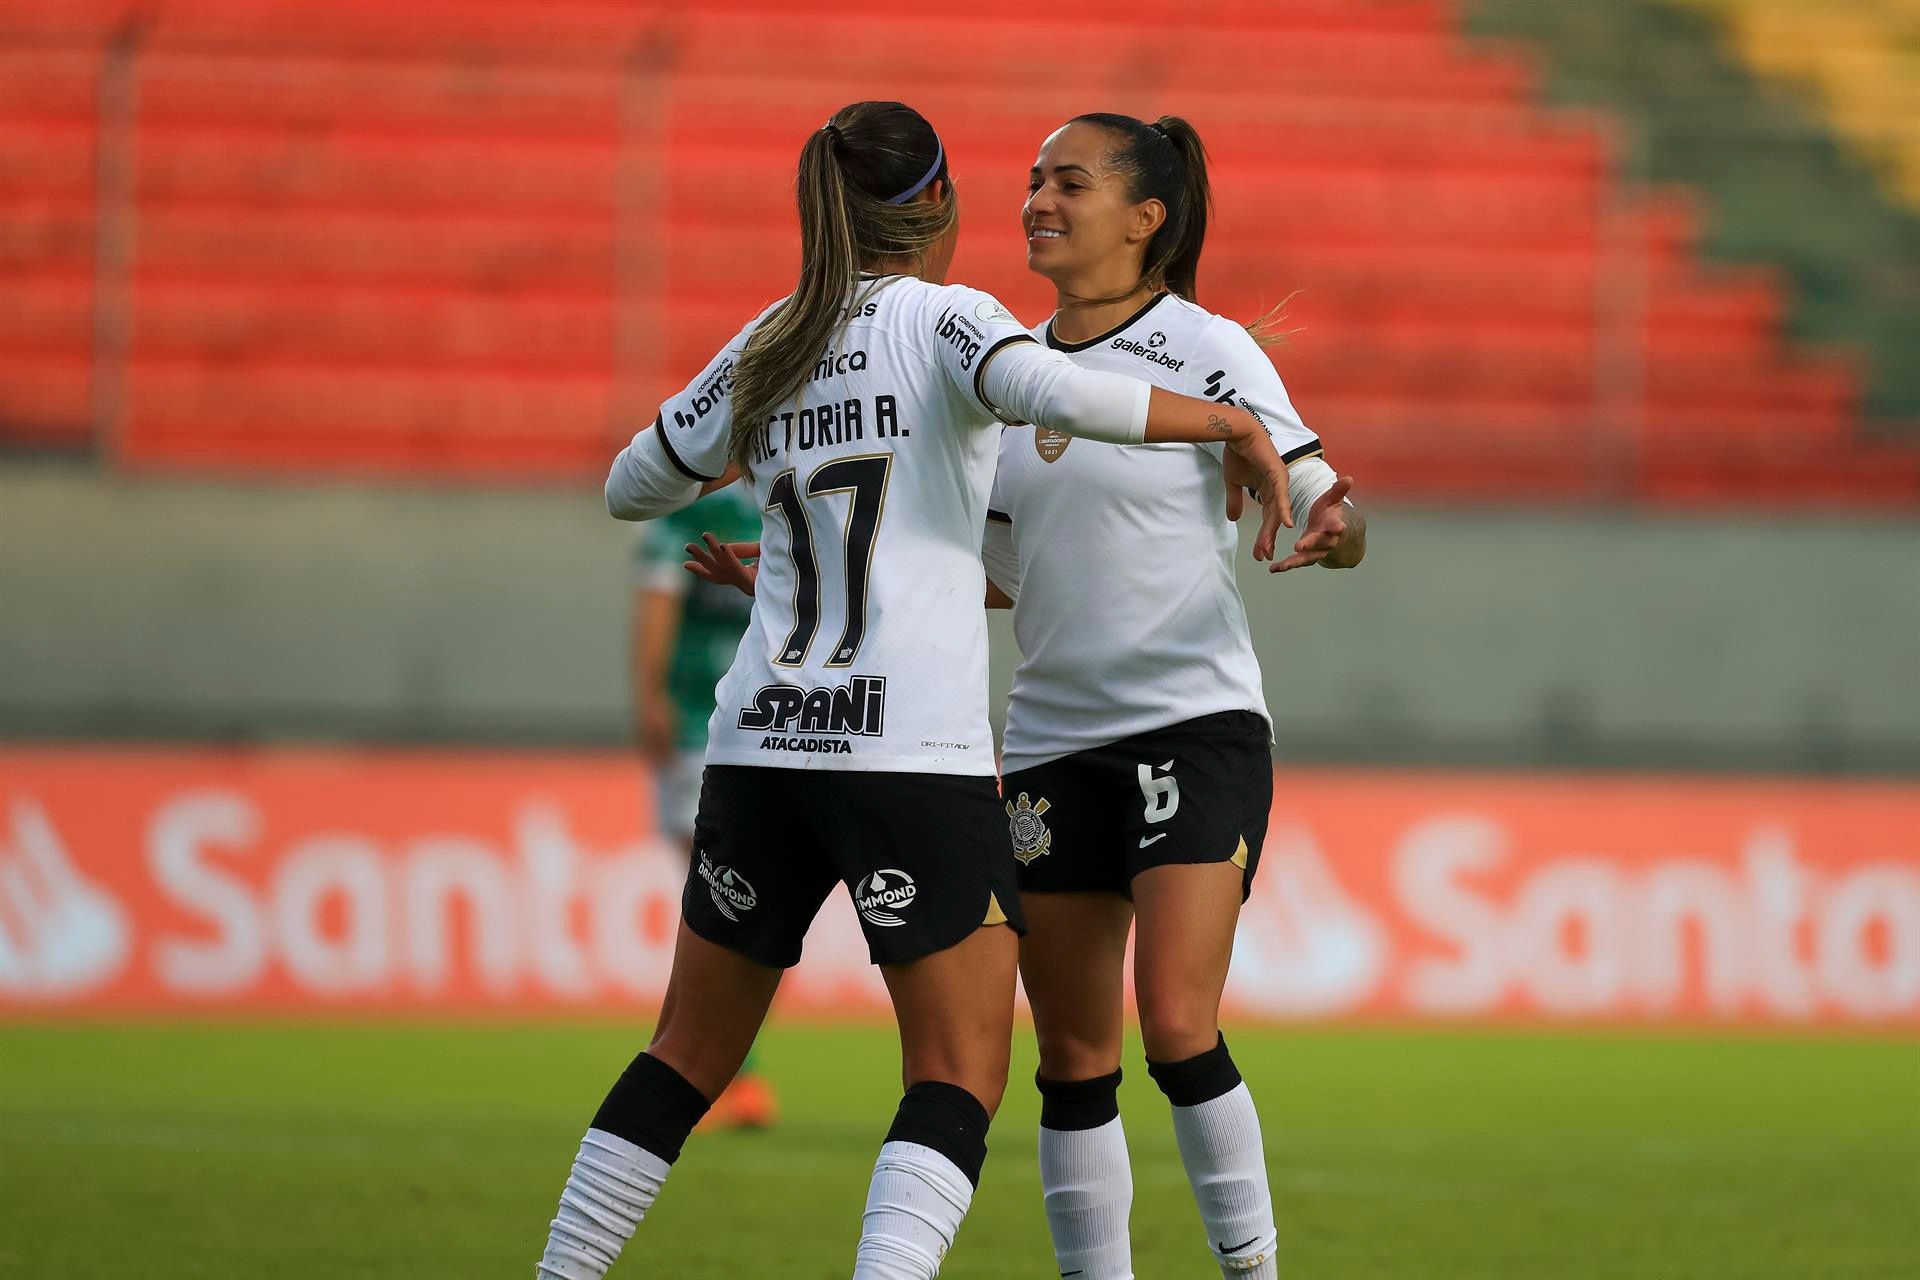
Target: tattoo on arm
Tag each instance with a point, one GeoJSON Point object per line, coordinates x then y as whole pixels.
{"type": "Point", "coordinates": [1217, 423]}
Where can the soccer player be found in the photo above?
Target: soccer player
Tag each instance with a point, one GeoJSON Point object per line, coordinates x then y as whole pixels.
{"type": "Point", "coordinates": [1137, 764]}
{"type": "Point", "coordinates": [684, 635]}
{"type": "Point", "coordinates": [850, 741]}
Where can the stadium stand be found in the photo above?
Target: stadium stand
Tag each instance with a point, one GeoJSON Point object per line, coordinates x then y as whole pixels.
{"type": "Point", "coordinates": [474, 238]}
{"type": "Point", "coordinates": [1782, 188]}
{"type": "Point", "coordinates": [1861, 58]}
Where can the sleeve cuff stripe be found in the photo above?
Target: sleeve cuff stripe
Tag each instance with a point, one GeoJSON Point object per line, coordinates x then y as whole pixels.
{"type": "Point", "coordinates": [1311, 449]}
{"type": "Point", "coordinates": [980, 370]}
{"type": "Point", "coordinates": [660, 429]}
{"type": "Point", "coordinates": [1000, 517]}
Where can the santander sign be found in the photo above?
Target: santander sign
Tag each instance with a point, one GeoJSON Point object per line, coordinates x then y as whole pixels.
{"type": "Point", "coordinates": [472, 883]}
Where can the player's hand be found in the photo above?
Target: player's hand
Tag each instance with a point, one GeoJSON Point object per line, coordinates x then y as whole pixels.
{"type": "Point", "coordinates": [1327, 526]}
{"type": "Point", "coordinates": [1240, 479]}
{"type": "Point", "coordinates": [1236, 501]}
{"type": "Point", "coordinates": [724, 563]}
{"type": "Point", "coordinates": [1255, 446]}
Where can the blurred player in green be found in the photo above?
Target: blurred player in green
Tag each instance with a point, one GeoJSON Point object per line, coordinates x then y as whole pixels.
{"type": "Point", "coordinates": [685, 631]}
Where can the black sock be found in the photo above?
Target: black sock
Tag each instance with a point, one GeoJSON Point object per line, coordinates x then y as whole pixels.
{"type": "Point", "coordinates": [652, 1106]}
{"type": "Point", "coordinates": [1078, 1104]}
{"type": "Point", "coordinates": [948, 1119]}
{"type": "Point", "coordinates": [1198, 1079]}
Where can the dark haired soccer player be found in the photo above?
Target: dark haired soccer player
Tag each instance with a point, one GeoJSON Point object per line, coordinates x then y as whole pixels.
{"type": "Point", "coordinates": [1137, 761]}
{"type": "Point", "coordinates": [849, 741]}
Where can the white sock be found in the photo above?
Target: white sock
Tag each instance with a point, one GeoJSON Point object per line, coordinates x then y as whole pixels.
{"type": "Point", "coordinates": [611, 1187]}
{"type": "Point", "coordinates": [1227, 1167]}
{"type": "Point", "coordinates": [914, 1208]}
{"type": "Point", "coordinates": [1088, 1183]}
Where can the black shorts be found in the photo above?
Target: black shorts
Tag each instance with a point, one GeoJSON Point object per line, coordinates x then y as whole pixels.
{"type": "Point", "coordinates": [1194, 792]}
{"type": "Point", "coordinates": [923, 854]}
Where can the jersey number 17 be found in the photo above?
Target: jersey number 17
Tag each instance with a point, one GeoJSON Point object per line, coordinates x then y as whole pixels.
{"type": "Point", "coordinates": [866, 478]}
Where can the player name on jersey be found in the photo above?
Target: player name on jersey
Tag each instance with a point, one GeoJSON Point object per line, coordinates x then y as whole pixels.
{"type": "Point", "coordinates": [827, 425]}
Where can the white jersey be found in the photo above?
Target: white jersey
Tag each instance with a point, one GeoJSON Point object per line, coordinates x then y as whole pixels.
{"type": "Point", "coordinates": [867, 648]}
{"type": "Point", "coordinates": [1128, 614]}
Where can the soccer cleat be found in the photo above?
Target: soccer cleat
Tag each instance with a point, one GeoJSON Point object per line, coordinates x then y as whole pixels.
{"type": "Point", "coordinates": [746, 1104]}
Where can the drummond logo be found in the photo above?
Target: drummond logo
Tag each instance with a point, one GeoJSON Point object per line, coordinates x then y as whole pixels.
{"type": "Point", "coordinates": [882, 894]}
{"type": "Point", "coordinates": [731, 892]}
{"type": "Point", "coordinates": [857, 708]}
{"type": "Point", "coordinates": [1147, 353]}
{"type": "Point", "coordinates": [708, 398]}
{"type": "Point", "coordinates": [964, 337]}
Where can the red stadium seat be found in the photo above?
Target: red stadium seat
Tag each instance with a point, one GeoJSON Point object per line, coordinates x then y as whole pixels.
{"type": "Point", "coordinates": [472, 238]}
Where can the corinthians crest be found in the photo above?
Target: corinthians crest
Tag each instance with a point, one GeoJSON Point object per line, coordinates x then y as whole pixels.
{"type": "Point", "coordinates": [1030, 835]}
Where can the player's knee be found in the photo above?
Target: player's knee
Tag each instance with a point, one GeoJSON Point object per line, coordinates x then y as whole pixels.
{"type": "Point", "coordinates": [979, 1071]}
{"type": "Point", "coordinates": [707, 1065]}
{"type": "Point", "coordinates": [1174, 1026]}
{"type": "Point", "coordinates": [1192, 1081]}
{"type": "Point", "coordinates": [1069, 1053]}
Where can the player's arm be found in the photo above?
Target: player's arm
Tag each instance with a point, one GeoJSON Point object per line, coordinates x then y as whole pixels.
{"type": "Point", "coordinates": [1044, 387]}
{"type": "Point", "coordinates": [656, 626]}
{"type": "Point", "coordinates": [1333, 532]}
{"type": "Point", "coordinates": [648, 480]}
{"type": "Point", "coordinates": [683, 453]}
{"type": "Point", "coordinates": [991, 358]}
{"type": "Point", "coordinates": [659, 601]}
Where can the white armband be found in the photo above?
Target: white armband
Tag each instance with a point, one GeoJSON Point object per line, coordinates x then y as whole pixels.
{"type": "Point", "coordinates": [1029, 382]}
{"type": "Point", "coordinates": [1307, 479]}
{"type": "Point", "coordinates": [643, 484]}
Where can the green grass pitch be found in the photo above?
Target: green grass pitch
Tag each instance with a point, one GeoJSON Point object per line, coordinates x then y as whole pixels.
{"type": "Point", "coordinates": [231, 1150]}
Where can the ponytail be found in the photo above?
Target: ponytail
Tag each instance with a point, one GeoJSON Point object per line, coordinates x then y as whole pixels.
{"type": "Point", "coordinates": [786, 345]}
{"type": "Point", "coordinates": [855, 187]}
{"type": "Point", "coordinates": [1173, 255]}
{"type": "Point", "coordinates": [1166, 161]}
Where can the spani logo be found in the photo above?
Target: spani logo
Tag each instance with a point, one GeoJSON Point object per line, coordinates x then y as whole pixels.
{"type": "Point", "coordinates": [730, 890]}
{"type": "Point", "coordinates": [881, 894]}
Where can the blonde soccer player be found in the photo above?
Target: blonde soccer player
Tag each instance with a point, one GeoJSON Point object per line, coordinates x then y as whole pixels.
{"type": "Point", "coordinates": [849, 742]}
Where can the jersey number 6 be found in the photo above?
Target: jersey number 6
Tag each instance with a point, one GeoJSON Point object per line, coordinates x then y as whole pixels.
{"type": "Point", "coordinates": [866, 477]}
{"type": "Point", "coordinates": [1163, 794]}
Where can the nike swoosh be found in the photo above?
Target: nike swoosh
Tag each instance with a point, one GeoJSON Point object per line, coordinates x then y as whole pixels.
{"type": "Point", "coordinates": [1065, 1274]}
{"type": "Point", "coordinates": [1235, 1248]}
{"type": "Point", "coordinates": [1147, 840]}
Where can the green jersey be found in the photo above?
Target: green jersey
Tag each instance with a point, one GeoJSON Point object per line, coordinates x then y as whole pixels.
{"type": "Point", "coordinates": [712, 618]}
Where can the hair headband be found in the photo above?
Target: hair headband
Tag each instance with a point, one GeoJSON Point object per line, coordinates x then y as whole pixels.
{"type": "Point", "coordinates": [939, 158]}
